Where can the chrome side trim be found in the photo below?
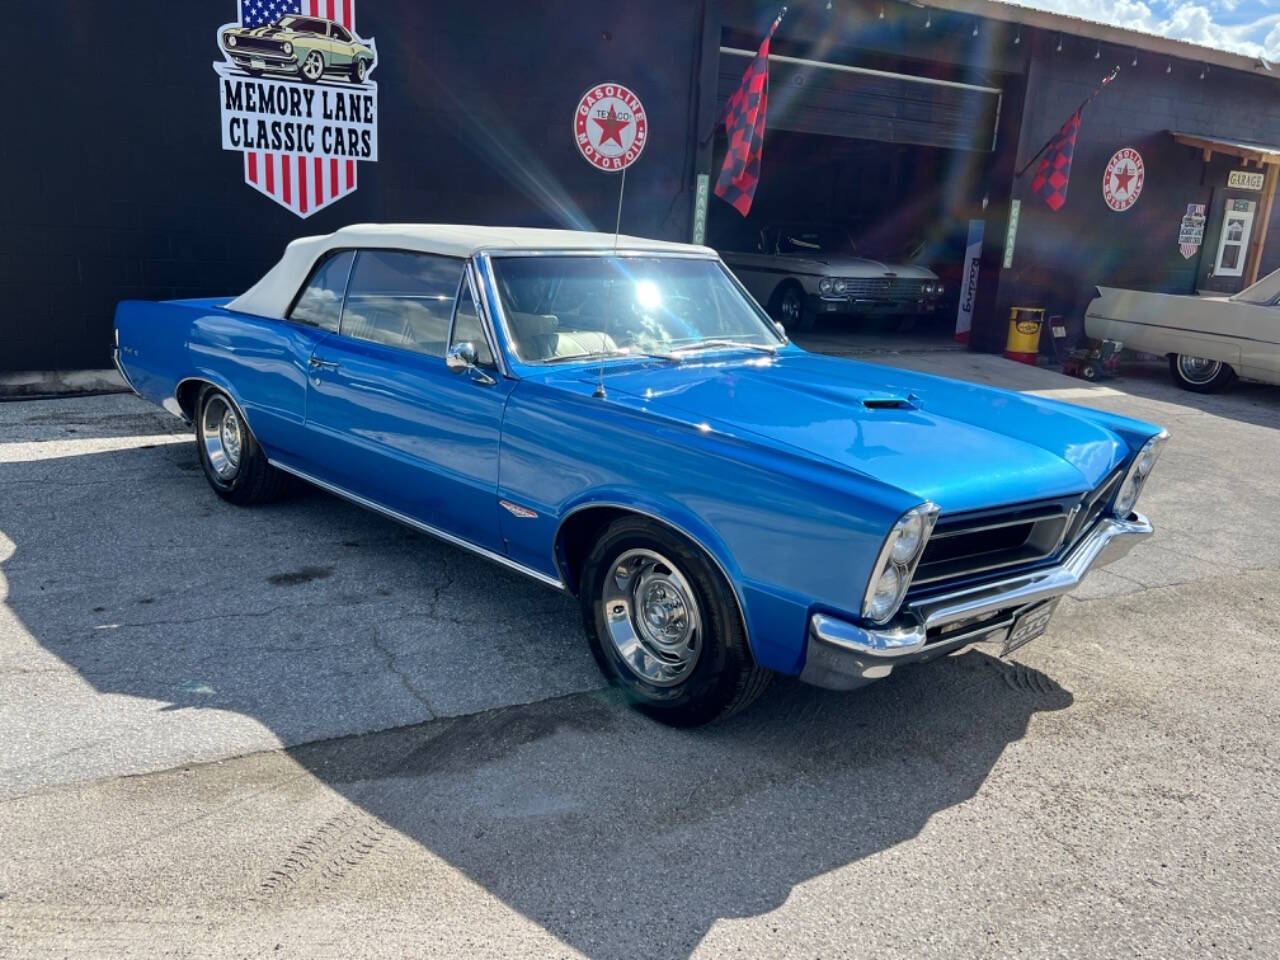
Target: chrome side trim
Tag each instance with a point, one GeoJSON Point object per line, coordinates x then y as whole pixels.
{"type": "Point", "coordinates": [842, 655]}
{"type": "Point", "coordinates": [627, 508]}
{"type": "Point", "coordinates": [419, 525]}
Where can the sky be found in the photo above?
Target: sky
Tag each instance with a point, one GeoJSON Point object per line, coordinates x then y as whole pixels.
{"type": "Point", "coordinates": [1250, 27]}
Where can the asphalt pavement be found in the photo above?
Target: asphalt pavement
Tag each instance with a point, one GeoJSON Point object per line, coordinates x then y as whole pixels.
{"type": "Point", "coordinates": [304, 731]}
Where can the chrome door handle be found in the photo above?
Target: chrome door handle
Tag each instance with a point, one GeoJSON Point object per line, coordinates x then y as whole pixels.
{"type": "Point", "coordinates": [317, 364]}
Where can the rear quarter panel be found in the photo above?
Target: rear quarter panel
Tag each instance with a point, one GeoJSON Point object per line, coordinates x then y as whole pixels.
{"type": "Point", "coordinates": [260, 363]}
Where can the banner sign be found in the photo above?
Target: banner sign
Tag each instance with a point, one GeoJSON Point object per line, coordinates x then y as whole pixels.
{"type": "Point", "coordinates": [1191, 233]}
{"type": "Point", "coordinates": [1011, 234]}
{"type": "Point", "coordinates": [969, 280]}
{"type": "Point", "coordinates": [1246, 180]}
{"type": "Point", "coordinates": [296, 99]}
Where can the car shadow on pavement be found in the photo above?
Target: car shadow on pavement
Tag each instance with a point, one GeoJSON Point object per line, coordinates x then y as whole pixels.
{"type": "Point", "coordinates": [619, 836]}
{"type": "Point", "coordinates": [625, 838]}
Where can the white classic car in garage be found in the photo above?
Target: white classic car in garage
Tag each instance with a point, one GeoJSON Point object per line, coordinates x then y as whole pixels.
{"type": "Point", "coordinates": [798, 271]}
{"type": "Point", "coordinates": [1210, 341]}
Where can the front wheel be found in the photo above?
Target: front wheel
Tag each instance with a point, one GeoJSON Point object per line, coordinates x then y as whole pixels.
{"type": "Point", "coordinates": [664, 625]}
{"type": "Point", "coordinates": [312, 68]}
{"type": "Point", "coordinates": [1200, 375]}
{"type": "Point", "coordinates": [790, 308]}
{"type": "Point", "coordinates": [233, 463]}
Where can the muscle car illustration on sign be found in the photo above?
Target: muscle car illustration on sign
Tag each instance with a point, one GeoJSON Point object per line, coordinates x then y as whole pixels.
{"type": "Point", "coordinates": [800, 271]}
{"type": "Point", "coordinates": [616, 418]}
{"type": "Point", "coordinates": [1210, 341]}
{"type": "Point", "coordinates": [296, 46]}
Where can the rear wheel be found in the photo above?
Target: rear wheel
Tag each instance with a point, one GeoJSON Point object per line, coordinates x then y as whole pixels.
{"type": "Point", "coordinates": [1200, 375]}
{"type": "Point", "coordinates": [664, 625]}
{"type": "Point", "coordinates": [233, 463]}
{"type": "Point", "coordinates": [358, 69]}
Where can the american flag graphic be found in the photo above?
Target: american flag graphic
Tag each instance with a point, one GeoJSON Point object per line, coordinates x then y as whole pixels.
{"type": "Point", "coordinates": [303, 184]}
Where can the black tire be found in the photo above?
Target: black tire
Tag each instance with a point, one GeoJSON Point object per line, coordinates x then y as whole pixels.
{"type": "Point", "coordinates": [250, 479]}
{"type": "Point", "coordinates": [253, 72]}
{"type": "Point", "coordinates": [722, 677]}
{"type": "Point", "coordinates": [358, 70]}
{"type": "Point", "coordinates": [1198, 375]}
{"type": "Point", "coordinates": [789, 306]}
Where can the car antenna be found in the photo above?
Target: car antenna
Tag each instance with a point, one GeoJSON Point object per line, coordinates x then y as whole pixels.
{"type": "Point", "coordinates": [608, 300]}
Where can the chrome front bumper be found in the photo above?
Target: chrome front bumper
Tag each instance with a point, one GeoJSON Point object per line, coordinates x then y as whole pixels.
{"type": "Point", "coordinates": [842, 655]}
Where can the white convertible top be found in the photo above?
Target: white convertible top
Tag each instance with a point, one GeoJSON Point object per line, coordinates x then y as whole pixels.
{"type": "Point", "coordinates": [271, 296]}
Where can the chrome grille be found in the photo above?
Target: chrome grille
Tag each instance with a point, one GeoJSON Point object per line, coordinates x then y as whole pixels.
{"type": "Point", "coordinates": [971, 544]}
{"type": "Point", "coordinates": [884, 288]}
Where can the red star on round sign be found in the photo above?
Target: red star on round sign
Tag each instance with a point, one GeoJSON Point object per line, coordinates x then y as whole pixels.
{"type": "Point", "coordinates": [611, 126]}
{"type": "Point", "coordinates": [1123, 179]}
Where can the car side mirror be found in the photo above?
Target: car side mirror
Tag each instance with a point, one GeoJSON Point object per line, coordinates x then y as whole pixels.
{"type": "Point", "coordinates": [462, 358]}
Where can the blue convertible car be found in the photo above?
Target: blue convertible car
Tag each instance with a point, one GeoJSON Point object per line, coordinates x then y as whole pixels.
{"type": "Point", "coordinates": [617, 418]}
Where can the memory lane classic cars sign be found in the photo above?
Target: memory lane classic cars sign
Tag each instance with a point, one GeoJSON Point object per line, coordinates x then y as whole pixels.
{"type": "Point", "coordinates": [296, 99]}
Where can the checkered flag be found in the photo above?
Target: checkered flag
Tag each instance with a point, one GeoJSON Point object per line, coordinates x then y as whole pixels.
{"type": "Point", "coordinates": [744, 125]}
{"type": "Point", "coordinates": [1054, 172]}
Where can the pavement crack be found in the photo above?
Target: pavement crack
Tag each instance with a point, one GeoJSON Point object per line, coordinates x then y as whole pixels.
{"type": "Point", "coordinates": [405, 682]}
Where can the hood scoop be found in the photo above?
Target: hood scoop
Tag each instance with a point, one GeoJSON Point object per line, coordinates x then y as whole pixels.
{"type": "Point", "coordinates": [891, 402]}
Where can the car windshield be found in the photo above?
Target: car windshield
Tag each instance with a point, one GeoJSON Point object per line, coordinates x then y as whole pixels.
{"type": "Point", "coordinates": [299, 23]}
{"type": "Point", "coordinates": [562, 308]}
{"type": "Point", "coordinates": [814, 240]}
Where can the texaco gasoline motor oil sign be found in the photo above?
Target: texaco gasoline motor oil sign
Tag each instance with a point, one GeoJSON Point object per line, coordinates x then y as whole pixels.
{"type": "Point", "coordinates": [610, 127]}
{"type": "Point", "coordinates": [297, 100]}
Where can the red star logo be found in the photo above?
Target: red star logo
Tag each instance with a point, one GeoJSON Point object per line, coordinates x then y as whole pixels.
{"type": "Point", "coordinates": [1123, 176]}
{"type": "Point", "coordinates": [612, 127]}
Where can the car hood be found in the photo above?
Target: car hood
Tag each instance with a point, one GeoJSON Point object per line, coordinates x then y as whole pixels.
{"type": "Point", "coordinates": [961, 445]}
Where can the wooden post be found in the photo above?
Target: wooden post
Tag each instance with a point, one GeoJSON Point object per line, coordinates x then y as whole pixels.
{"type": "Point", "coordinates": [1260, 225]}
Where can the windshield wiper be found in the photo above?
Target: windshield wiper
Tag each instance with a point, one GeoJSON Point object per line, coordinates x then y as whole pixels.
{"type": "Point", "coordinates": [611, 356]}
{"type": "Point", "coordinates": [721, 343]}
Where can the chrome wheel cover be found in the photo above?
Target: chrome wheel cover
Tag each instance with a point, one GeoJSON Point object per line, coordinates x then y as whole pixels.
{"type": "Point", "coordinates": [1197, 369]}
{"type": "Point", "coordinates": [313, 66]}
{"type": "Point", "coordinates": [222, 435]}
{"type": "Point", "coordinates": [651, 616]}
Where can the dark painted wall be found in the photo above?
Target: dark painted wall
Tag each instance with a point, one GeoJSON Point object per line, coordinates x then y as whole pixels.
{"type": "Point", "coordinates": [117, 185]}
{"type": "Point", "coordinates": [1060, 256]}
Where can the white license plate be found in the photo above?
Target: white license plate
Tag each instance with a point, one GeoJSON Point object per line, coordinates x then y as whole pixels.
{"type": "Point", "coordinates": [258, 64]}
{"type": "Point", "coordinates": [1030, 623]}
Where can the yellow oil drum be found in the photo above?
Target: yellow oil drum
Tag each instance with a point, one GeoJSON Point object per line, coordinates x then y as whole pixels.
{"type": "Point", "coordinates": [1025, 324]}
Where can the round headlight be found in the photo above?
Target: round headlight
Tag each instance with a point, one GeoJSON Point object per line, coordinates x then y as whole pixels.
{"type": "Point", "coordinates": [1128, 496]}
{"type": "Point", "coordinates": [824, 285]}
{"type": "Point", "coordinates": [840, 286]}
{"type": "Point", "coordinates": [231, 40]}
{"type": "Point", "coordinates": [909, 533]}
{"type": "Point", "coordinates": [885, 598]}
{"type": "Point", "coordinates": [287, 48]}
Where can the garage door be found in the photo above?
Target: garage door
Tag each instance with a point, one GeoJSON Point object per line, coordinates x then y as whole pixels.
{"type": "Point", "coordinates": [833, 99]}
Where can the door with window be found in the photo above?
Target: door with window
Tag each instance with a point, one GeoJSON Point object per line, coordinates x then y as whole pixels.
{"type": "Point", "coordinates": [389, 420]}
{"type": "Point", "coordinates": [1233, 246]}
